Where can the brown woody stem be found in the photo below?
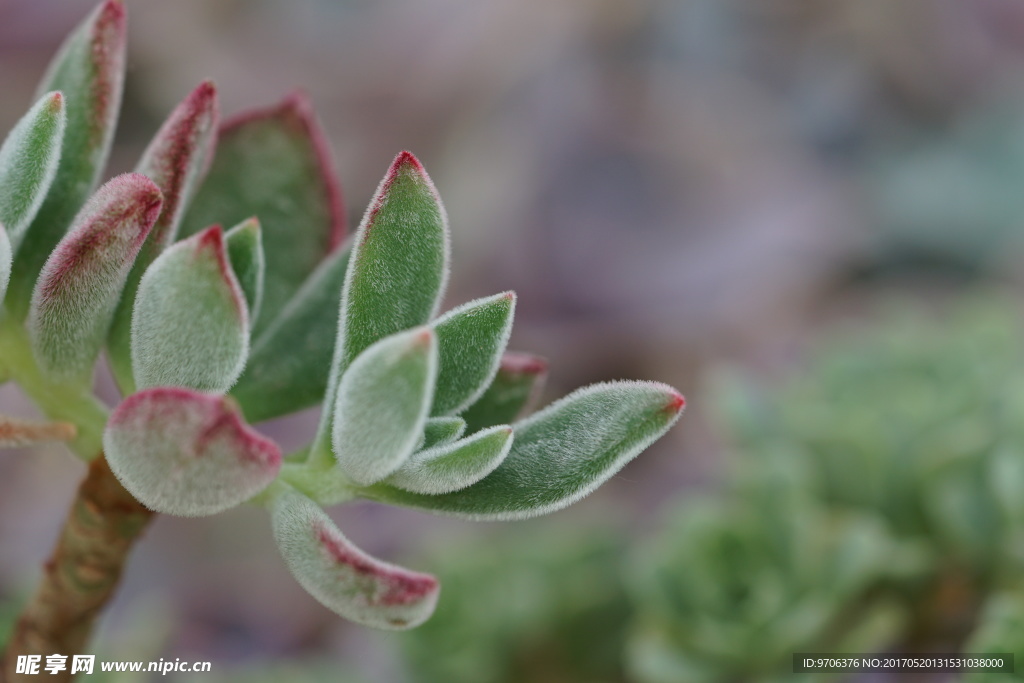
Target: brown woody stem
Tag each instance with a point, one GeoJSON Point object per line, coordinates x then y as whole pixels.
{"type": "Point", "coordinates": [81, 575]}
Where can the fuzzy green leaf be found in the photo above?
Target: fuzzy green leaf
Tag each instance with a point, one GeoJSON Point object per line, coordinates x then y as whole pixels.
{"type": "Point", "coordinates": [512, 394]}
{"type": "Point", "coordinates": [290, 360]}
{"type": "Point", "coordinates": [342, 577]}
{"type": "Point", "coordinates": [383, 403]}
{"type": "Point", "coordinates": [454, 466]}
{"type": "Point", "coordinates": [28, 163]}
{"type": "Point", "coordinates": [6, 257]}
{"type": "Point", "coordinates": [560, 454]}
{"type": "Point", "coordinates": [275, 164]}
{"type": "Point", "coordinates": [397, 272]}
{"type": "Point", "coordinates": [176, 160]}
{"type": "Point", "coordinates": [399, 263]}
{"type": "Point", "coordinates": [185, 453]}
{"type": "Point", "coordinates": [470, 341]}
{"type": "Point", "coordinates": [245, 251]}
{"type": "Point", "coordinates": [190, 327]}
{"type": "Point", "coordinates": [441, 430]}
{"type": "Point", "coordinates": [79, 287]}
{"type": "Point", "coordinates": [89, 71]}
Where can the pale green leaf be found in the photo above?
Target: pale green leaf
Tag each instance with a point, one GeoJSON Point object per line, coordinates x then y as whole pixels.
{"type": "Point", "coordinates": [343, 578]}
{"type": "Point", "coordinates": [560, 454]}
{"type": "Point", "coordinates": [79, 287]}
{"type": "Point", "coordinates": [190, 327]}
{"type": "Point", "coordinates": [397, 272]}
{"type": "Point", "coordinates": [28, 163]}
{"type": "Point", "coordinates": [470, 341]}
{"type": "Point", "coordinates": [176, 159]}
{"type": "Point", "coordinates": [185, 453]}
{"type": "Point", "coordinates": [383, 402]}
{"type": "Point", "coordinates": [89, 71]}
{"type": "Point", "coordinates": [441, 430]}
{"type": "Point", "coordinates": [454, 466]}
{"type": "Point", "coordinates": [245, 251]}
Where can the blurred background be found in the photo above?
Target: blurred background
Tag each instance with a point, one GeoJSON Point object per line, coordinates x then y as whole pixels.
{"type": "Point", "coordinates": [702, 192]}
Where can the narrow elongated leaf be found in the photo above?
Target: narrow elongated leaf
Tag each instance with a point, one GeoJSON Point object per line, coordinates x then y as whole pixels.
{"type": "Point", "coordinates": [89, 71]}
{"type": "Point", "coordinates": [441, 430]}
{"type": "Point", "coordinates": [176, 160]}
{"type": "Point", "coordinates": [470, 341]}
{"type": "Point", "coordinates": [397, 272]}
{"type": "Point", "coordinates": [342, 577]}
{"type": "Point", "coordinates": [454, 466]}
{"type": "Point", "coordinates": [290, 360]}
{"type": "Point", "coordinates": [383, 402]}
{"type": "Point", "coordinates": [185, 453]}
{"type": "Point", "coordinates": [245, 251]}
{"type": "Point", "coordinates": [560, 454]}
{"type": "Point", "coordinates": [190, 327]}
{"type": "Point", "coordinates": [275, 164]}
{"type": "Point", "coordinates": [81, 282]}
{"type": "Point", "coordinates": [28, 163]}
{"type": "Point", "coordinates": [512, 394]}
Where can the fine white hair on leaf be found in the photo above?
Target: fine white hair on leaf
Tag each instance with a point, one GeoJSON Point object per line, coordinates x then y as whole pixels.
{"type": "Point", "coordinates": [342, 577]}
{"type": "Point", "coordinates": [190, 326]}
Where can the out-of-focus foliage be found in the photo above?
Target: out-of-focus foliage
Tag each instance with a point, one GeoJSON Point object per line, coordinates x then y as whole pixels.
{"type": "Point", "coordinates": [873, 505]}
{"type": "Point", "coordinates": [920, 419]}
{"type": "Point", "coordinates": [1001, 630]}
{"type": "Point", "coordinates": [544, 606]}
{"type": "Point", "coordinates": [732, 588]}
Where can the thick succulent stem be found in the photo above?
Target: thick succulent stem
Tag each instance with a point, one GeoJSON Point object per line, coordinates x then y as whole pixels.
{"type": "Point", "coordinates": [82, 573]}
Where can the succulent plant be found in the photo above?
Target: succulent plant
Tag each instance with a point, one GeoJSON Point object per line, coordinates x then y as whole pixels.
{"type": "Point", "coordinates": [209, 330]}
{"type": "Point", "coordinates": [731, 589]}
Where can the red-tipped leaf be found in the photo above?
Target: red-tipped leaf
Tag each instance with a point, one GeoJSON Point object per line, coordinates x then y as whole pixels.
{"type": "Point", "coordinates": [80, 284]}
{"type": "Point", "coordinates": [190, 327]}
{"type": "Point", "coordinates": [176, 159]}
{"type": "Point", "coordinates": [342, 577]}
{"type": "Point", "coordinates": [186, 453]}
{"type": "Point", "coordinates": [275, 164]}
{"type": "Point", "coordinates": [89, 71]}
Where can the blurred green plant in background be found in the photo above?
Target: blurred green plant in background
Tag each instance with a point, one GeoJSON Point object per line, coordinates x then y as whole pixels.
{"type": "Point", "coordinates": [872, 504]}
{"type": "Point", "coordinates": [544, 606]}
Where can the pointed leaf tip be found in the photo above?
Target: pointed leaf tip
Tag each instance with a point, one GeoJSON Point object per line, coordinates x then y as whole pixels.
{"type": "Point", "coordinates": [89, 71]}
{"type": "Point", "coordinates": [471, 340]}
{"type": "Point", "coordinates": [29, 159]}
{"type": "Point", "coordinates": [190, 325]}
{"type": "Point", "coordinates": [383, 404]}
{"type": "Point", "coordinates": [245, 251]}
{"type": "Point", "coordinates": [396, 274]}
{"type": "Point", "coordinates": [398, 269]}
{"type": "Point", "coordinates": [560, 454]}
{"type": "Point", "coordinates": [176, 159]}
{"type": "Point", "coordinates": [186, 453]}
{"type": "Point", "coordinates": [342, 577]}
{"type": "Point", "coordinates": [80, 284]}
